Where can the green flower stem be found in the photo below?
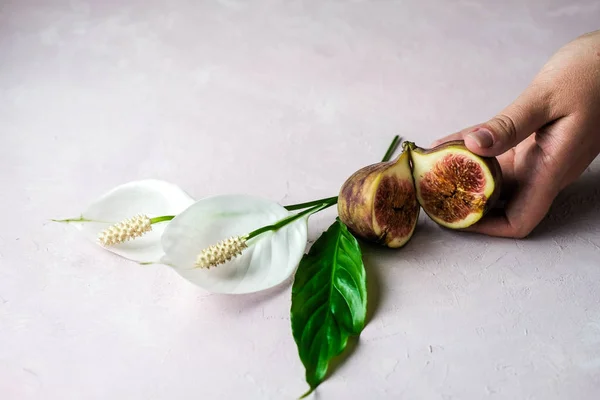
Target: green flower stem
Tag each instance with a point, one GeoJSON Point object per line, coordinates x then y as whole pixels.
{"type": "Point", "coordinates": [68, 220]}
{"type": "Point", "coordinates": [302, 206]}
{"type": "Point", "coordinates": [388, 154]}
{"type": "Point", "coordinates": [161, 219]}
{"type": "Point", "coordinates": [279, 224]}
{"type": "Point", "coordinates": [390, 151]}
{"type": "Point", "coordinates": [81, 219]}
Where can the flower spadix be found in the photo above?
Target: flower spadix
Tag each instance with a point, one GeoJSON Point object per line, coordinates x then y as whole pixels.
{"type": "Point", "coordinates": [129, 219]}
{"type": "Point", "coordinates": [123, 231]}
{"type": "Point", "coordinates": [222, 252]}
{"type": "Point", "coordinates": [209, 244]}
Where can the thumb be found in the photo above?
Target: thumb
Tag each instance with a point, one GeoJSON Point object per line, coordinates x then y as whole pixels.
{"type": "Point", "coordinates": [528, 113]}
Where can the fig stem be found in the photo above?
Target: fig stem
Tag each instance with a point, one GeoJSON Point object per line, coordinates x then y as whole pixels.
{"type": "Point", "coordinates": [386, 157]}
{"type": "Point", "coordinates": [409, 146]}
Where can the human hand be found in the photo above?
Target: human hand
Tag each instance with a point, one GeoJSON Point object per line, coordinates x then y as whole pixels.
{"type": "Point", "coordinates": [544, 140]}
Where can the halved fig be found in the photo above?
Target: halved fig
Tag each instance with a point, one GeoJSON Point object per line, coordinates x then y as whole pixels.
{"type": "Point", "coordinates": [378, 202]}
{"type": "Point", "coordinates": [454, 186]}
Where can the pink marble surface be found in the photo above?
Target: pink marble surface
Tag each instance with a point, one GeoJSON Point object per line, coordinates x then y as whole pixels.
{"type": "Point", "coordinates": [282, 99]}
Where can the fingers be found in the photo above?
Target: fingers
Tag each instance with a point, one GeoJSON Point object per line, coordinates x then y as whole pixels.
{"type": "Point", "coordinates": [568, 146]}
{"type": "Point", "coordinates": [528, 113]}
{"type": "Point", "coordinates": [455, 136]}
{"type": "Point", "coordinates": [460, 135]}
{"type": "Point", "coordinates": [523, 213]}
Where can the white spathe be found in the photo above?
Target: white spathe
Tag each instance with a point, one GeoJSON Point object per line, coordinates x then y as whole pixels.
{"type": "Point", "coordinates": [270, 258]}
{"type": "Point", "coordinates": [149, 197]}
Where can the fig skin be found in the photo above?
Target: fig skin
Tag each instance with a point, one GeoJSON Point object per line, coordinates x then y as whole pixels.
{"type": "Point", "coordinates": [372, 217]}
{"type": "Point", "coordinates": [491, 163]}
{"type": "Point", "coordinates": [373, 201]}
{"type": "Point", "coordinates": [355, 200]}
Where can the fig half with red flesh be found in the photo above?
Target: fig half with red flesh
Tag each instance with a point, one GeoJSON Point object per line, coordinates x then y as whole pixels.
{"type": "Point", "coordinates": [454, 186]}
{"type": "Point", "coordinates": [378, 203]}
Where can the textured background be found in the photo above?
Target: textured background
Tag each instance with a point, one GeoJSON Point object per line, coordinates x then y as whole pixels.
{"type": "Point", "coordinates": [282, 99]}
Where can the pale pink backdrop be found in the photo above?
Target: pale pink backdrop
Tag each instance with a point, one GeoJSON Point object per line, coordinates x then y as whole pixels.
{"type": "Point", "coordinates": [282, 99]}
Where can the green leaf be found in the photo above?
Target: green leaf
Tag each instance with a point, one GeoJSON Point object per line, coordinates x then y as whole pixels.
{"type": "Point", "coordinates": [329, 300]}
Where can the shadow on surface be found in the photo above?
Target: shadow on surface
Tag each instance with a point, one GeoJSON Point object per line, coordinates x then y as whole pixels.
{"type": "Point", "coordinates": [575, 209]}
{"type": "Point", "coordinates": [373, 271]}
{"type": "Point", "coordinates": [337, 362]}
{"type": "Point", "coordinates": [380, 260]}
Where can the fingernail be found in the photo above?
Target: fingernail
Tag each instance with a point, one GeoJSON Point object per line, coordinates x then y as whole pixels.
{"type": "Point", "coordinates": [482, 137]}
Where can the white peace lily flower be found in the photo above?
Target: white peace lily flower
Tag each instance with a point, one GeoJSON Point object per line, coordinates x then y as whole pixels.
{"type": "Point", "coordinates": [208, 244]}
{"type": "Point", "coordinates": [124, 220]}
